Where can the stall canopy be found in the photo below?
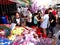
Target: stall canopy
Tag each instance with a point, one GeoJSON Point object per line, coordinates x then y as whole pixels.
{"type": "Point", "coordinates": [7, 6]}
{"type": "Point", "coordinates": [22, 2]}
{"type": "Point", "coordinates": [10, 5]}
{"type": "Point", "coordinates": [6, 2]}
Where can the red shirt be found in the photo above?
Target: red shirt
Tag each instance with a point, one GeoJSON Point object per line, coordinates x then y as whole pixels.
{"type": "Point", "coordinates": [54, 12]}
{"type": "Point", "coordinates": [6, 17]}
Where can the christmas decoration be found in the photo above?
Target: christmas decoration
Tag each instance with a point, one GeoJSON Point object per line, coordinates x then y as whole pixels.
{"type": "Point", "coordinates": [6, 30]}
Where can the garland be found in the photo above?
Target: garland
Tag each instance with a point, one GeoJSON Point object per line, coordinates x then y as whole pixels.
{"type": "Point", "coordinates": [7, 30]}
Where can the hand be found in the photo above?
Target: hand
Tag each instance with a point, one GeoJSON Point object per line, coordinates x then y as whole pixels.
{"type": "Point", "coordinates": [52, 21]}
{"type": "Point", "coordinates": [18, 23]}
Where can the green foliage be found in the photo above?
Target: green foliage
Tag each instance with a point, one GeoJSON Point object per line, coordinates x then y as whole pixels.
{"type": "Point", "coordinates": [4, 27]}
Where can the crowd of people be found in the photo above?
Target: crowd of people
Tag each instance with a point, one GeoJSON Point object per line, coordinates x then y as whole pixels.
{"type": "Point", "coordinates": [47, 21]}
{"type": "Point", "coordinates": [43, 25]}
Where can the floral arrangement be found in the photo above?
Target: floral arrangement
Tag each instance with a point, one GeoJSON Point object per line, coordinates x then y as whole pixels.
{"type": "Point", "coordinates": [17, 31]}
{"type": "Point", "coordinates": [5, 29]}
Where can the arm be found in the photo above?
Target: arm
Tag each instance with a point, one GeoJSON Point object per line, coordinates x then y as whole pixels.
{"type": "Point", "coordinates": [30, 16]}
{"type": "Point", "coordinates": [52, 20]}
{"type": "Point", "coordinates": [42, 19]}
{"type": "Point", "coordinates": [37, 18]}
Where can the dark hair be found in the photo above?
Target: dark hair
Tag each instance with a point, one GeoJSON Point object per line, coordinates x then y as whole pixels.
{"type": "Point", "coordinates": [49, 8]}
{"type": "Point", "coordinates": [28, 9]}
{"type": "Point", "coordinates": [35, 14]}
{"type": "Point", "coordinates": [39, 16]}
{"type": "Point", "coordinates": [46, 11]}
{"type": "Point", "coordinates": [51, 13]}
{"type": "Point", "coordinates": [17, 12]}
{"type": "Point", "coordinates": [39, 11]}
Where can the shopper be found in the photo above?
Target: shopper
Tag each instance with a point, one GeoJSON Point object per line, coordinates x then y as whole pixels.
{"type": "Point", "coordinates": [54, 11]}
{"type": "Point", "coordinates": [56, 14]}
{"type": "Point", "coordinates": [36, 20]}
{"type": "Point", "coordinates": [29, 18]}
{"type": "Point", "coordinates": [45, 22]}
{"type": "Point", "coordinates": [39, 17]}
{"type": "Point", "coordinates": [52, 20]}
{"type": "Point", "coordinates": [4, 18]}
{"type": "Point", "coordinates": [17, 19]}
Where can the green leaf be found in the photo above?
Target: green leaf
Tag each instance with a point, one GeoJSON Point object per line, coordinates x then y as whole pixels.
{"type": "Point", "coordinates": [4, 27]}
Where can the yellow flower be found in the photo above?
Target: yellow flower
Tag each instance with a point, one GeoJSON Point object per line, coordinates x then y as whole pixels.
{"type": "Point", "coordinates": [12, 37]}
{"type": "Point", "coordinates": [18, 31]}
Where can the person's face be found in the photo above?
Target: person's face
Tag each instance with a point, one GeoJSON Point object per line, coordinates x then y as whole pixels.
{"type": "Point", "coordinates": [28, 11]}
{"type": "Point", "coordinates": [39, 13]}
{"type": "Point", "coordinates": [50, 10]}
{"type": "Point", "coordinates": [23, 24]}
{"type": "Point", "coordinates": [17, 15]}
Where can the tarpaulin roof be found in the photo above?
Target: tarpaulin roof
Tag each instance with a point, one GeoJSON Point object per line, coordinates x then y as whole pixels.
{"type": "Point", "coordinates": [21, 2]}
{"type": "Point", "coordinates": [5, 2]}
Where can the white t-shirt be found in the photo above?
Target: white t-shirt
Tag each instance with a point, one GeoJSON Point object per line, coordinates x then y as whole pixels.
{"type": "Point", "coordinates": [45, 21]}
{"type": "Point", "coordinates": [29, 17]}
{"type": "Point", "coordinates": [18, 20]}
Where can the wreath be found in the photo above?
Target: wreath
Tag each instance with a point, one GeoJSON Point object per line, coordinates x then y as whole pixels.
{"type": "Point", "coordinates": [6, 29]}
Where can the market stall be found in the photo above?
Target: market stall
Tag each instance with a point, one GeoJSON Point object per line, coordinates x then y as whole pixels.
{"type": "Point", "coordinates": [6, 6]}
{"type": "Point", "coordinates": [22, 36]}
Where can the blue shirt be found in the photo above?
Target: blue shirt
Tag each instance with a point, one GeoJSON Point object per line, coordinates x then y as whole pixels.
{"type": "Point", "coordinates": [3, 20]}
{"type": "Point", "coordinates": [35, 21]}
